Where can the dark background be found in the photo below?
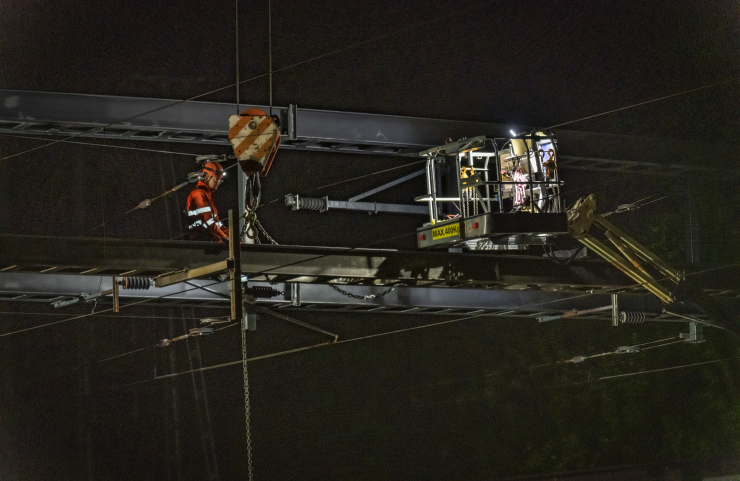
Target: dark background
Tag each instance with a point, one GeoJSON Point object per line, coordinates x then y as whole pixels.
{"type": "Point", "coordinates": [460, 401]}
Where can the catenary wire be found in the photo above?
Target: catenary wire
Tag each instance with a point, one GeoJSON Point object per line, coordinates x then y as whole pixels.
{"type": "Point", "coordinates": [94, 144]}
{"type": "Point", "coordinates": [315, 346]}
{"type": "Point", "coordinates": [661, 345]}
{"type": "Point", "coordinates": [667, 368]}
{"type": "Point", "coordinates": [325, 344]}
{"type": "Point", "coordinates": [103, 311]}
{"type": "Point", "coordinates": [331, 185]}
{"type": "Point", "coordinates": [257, 77]}
{"type": "Point", "coordinates": [735, 79]}
{"type": "Point", "coordinates": [20, 313]}
{"type": "Point", "coordinates": [163, 194]}
{"type": "Point", "coordinates": [236, 41]}
{"type": "Point", "coordinates": [350, 180]}
{"type": "Point", "coordinates": [281, 353]}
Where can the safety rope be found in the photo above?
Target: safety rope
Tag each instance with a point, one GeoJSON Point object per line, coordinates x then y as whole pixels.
{"type": "Point", "coordinates": [246, 399]}
{"type": "Point", "coordinates": [355, 296]}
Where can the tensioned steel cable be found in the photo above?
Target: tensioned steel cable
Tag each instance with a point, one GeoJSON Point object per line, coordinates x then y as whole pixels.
{"type": "Point", "coordinates": [112, 147]}
{"type": "Point", "coordinates": [300, 349]}
{"type": "Point", "coordinates": [282, 353]}
{"type": "Point", "coordinates": [257, 77]}
{"type": "Point", "coordinates": [267, 356]}
{"type": "Point", "coordinates": [106, 310]}
{"type": "Point", "coordinates": [398, 331]}
{"type": "Point", "coordinates": [350, 180]}
{"type": "Point", "coordinates": [269, 67]}
{"type": "Point", "coordinates": [589, 381]}
{"type": "Point", "coordinates": [233, 165]}
{"type": "Point", "coordinates": [645, 102]}
{"type": "Point", "coordinates": [138, 207]}
{"type": "Point", "coordinates": [93, 144]}
{"type": "Point", "coordinates": [236, 41]}
{"type": "Point", "coordinates": [326, 344]}
{"type": "Point", "coordinates": [666, 368]}
{"type": "Point", "coordinates": [315, 346]}
{"type": "Point", "coordinates": [331, 185]}
{"type": "Point", "coordinates": [59, 314]}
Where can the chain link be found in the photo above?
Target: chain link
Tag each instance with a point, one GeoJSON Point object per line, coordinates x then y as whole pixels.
{"type": "Point", "coordinates": [250, 222]}
{"type": "Point", "coordinates": [246, 398]}
{"type": "Point", "coordinates": [264, 232]}
{"type": "Point", "coordinates": [355, 296]}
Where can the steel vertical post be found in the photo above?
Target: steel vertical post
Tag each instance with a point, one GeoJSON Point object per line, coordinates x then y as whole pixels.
{"type": "Point", "coordinates": [236, 271]}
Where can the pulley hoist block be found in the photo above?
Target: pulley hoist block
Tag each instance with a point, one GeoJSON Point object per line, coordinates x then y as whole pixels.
{"type": "Point", "coordinates": [255, 137]}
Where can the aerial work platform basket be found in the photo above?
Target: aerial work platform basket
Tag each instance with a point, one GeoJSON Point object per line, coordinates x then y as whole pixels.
{"type": "Point", "coordinates": [493, 198]}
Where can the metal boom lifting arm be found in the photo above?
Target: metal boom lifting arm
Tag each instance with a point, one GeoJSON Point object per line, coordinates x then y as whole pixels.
{"type": "Point", "coordinates": [630, 254]}
{"type": "Point", "coordinates": [634, 259]}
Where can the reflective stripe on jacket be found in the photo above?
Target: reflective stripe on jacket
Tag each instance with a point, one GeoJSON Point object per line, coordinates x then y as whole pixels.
{"type": "Point", "coordinates": [203, 221]}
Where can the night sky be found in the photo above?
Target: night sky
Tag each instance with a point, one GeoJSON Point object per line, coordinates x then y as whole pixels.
{"type": "Point", "coordinates": [455, 402]}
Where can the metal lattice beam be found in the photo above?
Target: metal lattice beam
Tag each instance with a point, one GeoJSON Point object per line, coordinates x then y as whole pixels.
{"type": "Point", "coordinates": [206, 123]}
{"type": "Point", "coordinates": [152, 258]}
{"type": "Point", "coordinates": [531, 304]}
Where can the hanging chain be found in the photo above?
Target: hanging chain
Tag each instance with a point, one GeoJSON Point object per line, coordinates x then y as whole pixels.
{"type": "Point", "coordinates": [475, 201]}
{"type": "Point", "coordinates": [264, 232]}
{"type": "Point", "coordinates": [250, 222]}
{"type": "Point", "coordinates": [246, 399]}
{"type": "Point", "coordinates": [355, 296]}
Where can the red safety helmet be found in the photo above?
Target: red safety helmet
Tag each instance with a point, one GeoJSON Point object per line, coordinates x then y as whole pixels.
{"type": "Point", "coordinates": [214, 169]}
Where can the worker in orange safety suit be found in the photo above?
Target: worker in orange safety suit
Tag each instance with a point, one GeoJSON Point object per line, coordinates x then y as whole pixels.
{"type": "Point", "coordinates": [203, 221]}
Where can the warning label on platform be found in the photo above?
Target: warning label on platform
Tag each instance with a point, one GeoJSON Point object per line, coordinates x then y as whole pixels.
{"type": "Point", "coordinates": [446, 231]}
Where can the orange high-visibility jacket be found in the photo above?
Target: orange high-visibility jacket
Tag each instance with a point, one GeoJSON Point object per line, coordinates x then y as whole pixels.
{"type": "Point", "coordinates": [203, 221]}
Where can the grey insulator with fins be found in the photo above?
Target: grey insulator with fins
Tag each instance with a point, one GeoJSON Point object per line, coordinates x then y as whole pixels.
{"type": "Point", "coordinates": [138, 283]}
{"type": "Point", "coordinates": [631, 317]}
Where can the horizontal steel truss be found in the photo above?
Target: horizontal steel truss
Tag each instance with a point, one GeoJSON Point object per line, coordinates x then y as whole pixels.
{"type": "Point", "coordinates": [56, 288]}
{"type": "Point", "coordinates": [206, 124]}
{"type": "Point", "coordinates": [310, 265]}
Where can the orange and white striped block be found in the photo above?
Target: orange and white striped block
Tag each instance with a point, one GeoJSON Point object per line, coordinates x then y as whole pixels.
{"type": "Point", "coordinates": [254, 136]}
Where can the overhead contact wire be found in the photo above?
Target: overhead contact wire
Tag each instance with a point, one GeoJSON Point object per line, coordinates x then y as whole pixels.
{"type": "Point", "coordinates": [398, 331]}
{"type": "Point", "coordinates": [94, 144]}
{"type": "Point", "coordinates": [350, 180]}
{"type": "Point", "coordinates": [163, 194]}
{"type": "Point", "coordinates": [645, 102]}
{"type": "Point", "coordinates": [106, 310]}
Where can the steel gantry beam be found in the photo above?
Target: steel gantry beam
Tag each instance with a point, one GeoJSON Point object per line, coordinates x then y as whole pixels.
{"type": "Point", "coordinates": [176, 261]}
{"type": "Point", "coordinates": [206, 124]}
{"type": "Point", "coordinates": [61, 290]}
